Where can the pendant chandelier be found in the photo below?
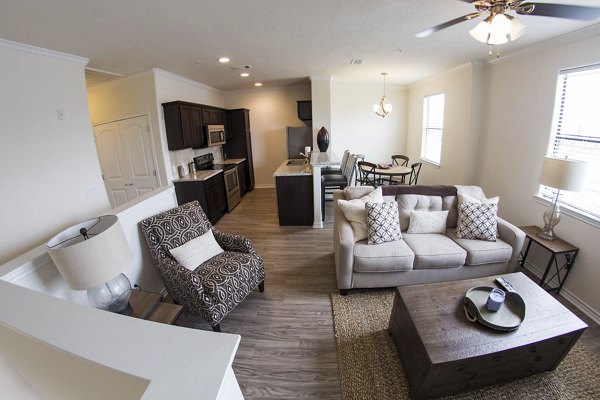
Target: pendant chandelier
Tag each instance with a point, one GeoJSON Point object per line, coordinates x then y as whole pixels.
{"type": "Point", "coordinates": [382, 109]}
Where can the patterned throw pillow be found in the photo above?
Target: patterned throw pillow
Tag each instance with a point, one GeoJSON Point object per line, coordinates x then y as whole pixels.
{"type": "Point", "coordinates": [383, 223]}
{"type": "Point", "coordinates": [477, 221]}
{"type": "Point", "coordinates": [427, 221]}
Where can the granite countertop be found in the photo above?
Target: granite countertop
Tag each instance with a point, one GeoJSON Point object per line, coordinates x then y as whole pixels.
{"type": "Point", "coordinates": [231, 161]}
{"type": "Point", "coordinates": [199, 176]}
{"type": "Point", "coordinates": [293, 170]}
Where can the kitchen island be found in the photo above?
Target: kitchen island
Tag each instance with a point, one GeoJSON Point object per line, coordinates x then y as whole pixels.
{"type": "Point", "coordinates": [293, 181]}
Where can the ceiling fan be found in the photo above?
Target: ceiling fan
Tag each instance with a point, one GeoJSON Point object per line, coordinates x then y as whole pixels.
{"type": "Point", "coordinates": [499, 26]}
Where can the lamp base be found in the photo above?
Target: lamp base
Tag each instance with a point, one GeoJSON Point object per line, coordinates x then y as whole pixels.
{"type": "Point", "coordinates": [547, 233]}
{"type": "Point", "coordinates": [112, 296]}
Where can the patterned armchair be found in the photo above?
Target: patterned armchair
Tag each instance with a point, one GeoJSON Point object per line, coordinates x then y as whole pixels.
{"type": "Point", "coordinates": [217, 285]}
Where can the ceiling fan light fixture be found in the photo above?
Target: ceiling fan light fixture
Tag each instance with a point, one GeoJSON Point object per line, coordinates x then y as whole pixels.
{"type": "Point", "coordinates": [500, 25]}
{"type": "Point", "coordinates": [497, 39]}
{"type": "Point", "coordinates": [518, 28]}
{"type": "Point", "coordinates": [481, 32]}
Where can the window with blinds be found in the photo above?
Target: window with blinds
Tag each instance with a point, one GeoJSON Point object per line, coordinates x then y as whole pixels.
{"type": "Point", "coordinates": [433, 127]}
{"type": "Point", "coordinates": [576, 133]}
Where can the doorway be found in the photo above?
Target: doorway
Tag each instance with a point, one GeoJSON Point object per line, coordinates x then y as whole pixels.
{"type": "Point", "coordinates": [127, 158]}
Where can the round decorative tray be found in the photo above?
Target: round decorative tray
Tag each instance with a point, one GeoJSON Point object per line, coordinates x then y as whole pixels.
{"type": "Point", "coordinates": [508, 318]}
{"type": "Point", "coordinates": [384, 166]}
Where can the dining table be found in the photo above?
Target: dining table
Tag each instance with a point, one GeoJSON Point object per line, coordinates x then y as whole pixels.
{"type": "Point", "coordinates": [390, 172]}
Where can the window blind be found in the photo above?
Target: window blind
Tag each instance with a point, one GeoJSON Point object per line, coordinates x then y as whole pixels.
{"type": "Point", "coordinates": [433, 128]}
{"type": "Point", "coordinates": [576, 133]}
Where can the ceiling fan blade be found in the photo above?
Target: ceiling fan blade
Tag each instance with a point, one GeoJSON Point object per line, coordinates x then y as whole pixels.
{"type": "Point", "coordinates": [439, 27]}
{"type": "Point", "coordinates": [560, 11]}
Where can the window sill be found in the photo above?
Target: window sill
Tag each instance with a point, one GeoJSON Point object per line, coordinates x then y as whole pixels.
{"type": "Point", "coordinates": [428, 162]}
{"type": "Point", "coordinates": [568, 210]}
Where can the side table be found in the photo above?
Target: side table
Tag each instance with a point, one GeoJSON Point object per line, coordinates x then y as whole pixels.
{"type": "Point", "coordinates": [555, 247]}
{"type": "Point", "coordinates": [149, 306]}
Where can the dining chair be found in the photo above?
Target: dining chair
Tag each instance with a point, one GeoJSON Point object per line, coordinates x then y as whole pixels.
{"type": "Point", "coordinates": [414, 174]}
{"type": "Point", "coordinates": [368, 176]}
{"type": "Point", "coordinates": [400, 160]}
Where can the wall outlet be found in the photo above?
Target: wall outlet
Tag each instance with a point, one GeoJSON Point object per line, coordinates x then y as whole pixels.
{"type": "Point", "coordinates": [91, 190]}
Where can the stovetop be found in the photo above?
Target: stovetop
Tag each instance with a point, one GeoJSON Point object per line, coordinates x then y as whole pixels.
{"type": "Point", "coordinates": [207, 162]}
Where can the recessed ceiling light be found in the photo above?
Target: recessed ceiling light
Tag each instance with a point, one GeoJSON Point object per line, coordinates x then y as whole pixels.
{"type": "Point", "coordinates": [258, 84]}
{"type": "Point", "coordinates": [356, 61]}
{"type": "Point", "coordinates": [244, 74]}
{"type": "Point", "coordinates": [223, 60]}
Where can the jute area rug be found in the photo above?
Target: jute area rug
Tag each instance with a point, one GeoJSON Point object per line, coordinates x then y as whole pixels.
{"type": "Point", "coordinates": [370, 368]}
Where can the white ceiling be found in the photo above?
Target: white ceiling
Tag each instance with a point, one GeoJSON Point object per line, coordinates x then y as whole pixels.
{"type": "Point", "coordinates": [285, 41]}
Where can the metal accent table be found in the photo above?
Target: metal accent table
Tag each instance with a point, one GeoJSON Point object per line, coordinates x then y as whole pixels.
{"type": "Point", "coordinates": [555, 247]}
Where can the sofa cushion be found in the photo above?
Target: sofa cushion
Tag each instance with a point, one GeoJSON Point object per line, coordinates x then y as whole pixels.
{"type": "Point", "coordinates": [450, 203]}
{"type": "Point", "coordinates": [355, 212]}
{"type": "Point", "coordinates": [428, 221]}
{"type": "Point", "coordinates": [477, 221]}
{"type": "Point", "coordinates": [434, 250]}
{"type": "Point", "coordinates": [382, 222]}
{"type": "Point", "coordinates": [383, 257]}
{"type": "Point", "coordinates": [483, 252]}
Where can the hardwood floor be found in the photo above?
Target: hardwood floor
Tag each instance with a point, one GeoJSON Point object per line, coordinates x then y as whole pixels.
{"type": "Point", "coordinates": [287, 350]}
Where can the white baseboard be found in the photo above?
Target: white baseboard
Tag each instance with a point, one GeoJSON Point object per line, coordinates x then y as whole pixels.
{"type": "Point", "coordinates": [568, 295]}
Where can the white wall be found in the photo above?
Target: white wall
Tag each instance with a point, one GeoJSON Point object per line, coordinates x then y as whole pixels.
{"type": "Point", "coordinates": [462, 109]}
{"type": "Point", "coordinates": [272, 110]}
{"type": "Point", "coordinates": [354, 125]}
{"type": "Point", "coordinates": [521, 92]}
{"type": "Point", "coordinates": [46, 164]}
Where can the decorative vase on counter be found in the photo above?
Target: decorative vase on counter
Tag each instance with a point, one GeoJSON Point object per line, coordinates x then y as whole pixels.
{"type": "Point", "coordinates": [323, 139]}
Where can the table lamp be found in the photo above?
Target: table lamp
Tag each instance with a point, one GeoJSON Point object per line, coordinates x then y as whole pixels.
{"type": "Point", "coordinates": [560, 174]}
{"type": "Point", "coordinates": [92, 255]}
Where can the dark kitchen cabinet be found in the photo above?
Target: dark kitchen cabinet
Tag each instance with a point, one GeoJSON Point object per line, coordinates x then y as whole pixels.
{"type": "Point", "coordinates": [183, 123]}
{"type": "Point", "coordinates": [210, 193]}
{"type": "Point", "coordinates": [294, 200]}
{"type": "Point", "coordinates": [213, 116]}
{"type": "Point", "coordinates": [242, 177]}
{"type": "Point", "coordinates": [239, 141]}
{"type": "Point", "coordinates": [305, 111]}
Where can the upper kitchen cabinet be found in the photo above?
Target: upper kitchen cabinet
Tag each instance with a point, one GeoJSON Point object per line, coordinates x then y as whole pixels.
{"type": "Point", "coordinates": [305, 111]}
{"type": "Point", "coordinates": [213, 116]}
{"type": "Point", "coordinates": [183, 122]}
{"type": "Point", "coordinates": [239, 141]}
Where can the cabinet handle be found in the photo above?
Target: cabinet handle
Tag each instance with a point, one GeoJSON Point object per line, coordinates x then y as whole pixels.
{"type": "Point", "coordinates": [497, 359]}
{"type": "Point", "coordinates": [562, 341]}
{"type": "Point", "coordinates": [533, 349]}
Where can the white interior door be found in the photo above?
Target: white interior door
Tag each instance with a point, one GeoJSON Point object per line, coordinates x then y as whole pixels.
{"type": "Point", "coordinates": [126, 158]}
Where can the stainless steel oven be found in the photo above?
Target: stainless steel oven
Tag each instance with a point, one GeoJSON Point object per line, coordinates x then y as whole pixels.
{"type": "Point", "coordinates": [232, 187]}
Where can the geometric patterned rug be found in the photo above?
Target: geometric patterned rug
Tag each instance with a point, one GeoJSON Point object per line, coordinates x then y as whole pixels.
{"type": "Point", "coordinates": [369, 366]}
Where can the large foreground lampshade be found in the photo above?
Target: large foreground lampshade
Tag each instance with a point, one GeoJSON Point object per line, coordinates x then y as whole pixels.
{"type": "Point", "coordinates": [560, 174]}
{"type": "Point", "coordinates": [92, 255]}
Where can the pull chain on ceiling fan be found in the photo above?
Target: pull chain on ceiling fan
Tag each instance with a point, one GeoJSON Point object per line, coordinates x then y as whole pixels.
{"type": "Point", "coordinates": [499, 26]}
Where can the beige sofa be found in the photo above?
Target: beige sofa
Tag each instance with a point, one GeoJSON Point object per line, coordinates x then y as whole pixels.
{"type": "Point", "coordinates": [419, 257]}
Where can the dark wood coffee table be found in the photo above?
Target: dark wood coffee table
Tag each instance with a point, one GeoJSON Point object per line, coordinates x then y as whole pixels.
{"type": "Point", "coordinates": [443, 353]}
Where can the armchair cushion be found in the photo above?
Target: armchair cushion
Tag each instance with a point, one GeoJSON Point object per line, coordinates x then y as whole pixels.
{"type": "Point", "coordinates": [196, 251]}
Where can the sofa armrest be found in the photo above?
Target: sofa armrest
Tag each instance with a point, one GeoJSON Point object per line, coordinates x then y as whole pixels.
{"type": "Point", "coordinates": [343, 245]}
{"type": "Point", "coordinates": [513, 236]}
{"type": "Point", "coordinates": [232, 242]}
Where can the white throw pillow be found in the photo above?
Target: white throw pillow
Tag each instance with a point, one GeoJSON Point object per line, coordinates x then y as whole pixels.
{"type": "Point", "coordinates": [465, 198]}
{"type": "Point", "coordinates": [356, 214]}
{"type": "Point", "coordinates": [196, 251]}
{"type": "Point", "coordinates": [427, 221]}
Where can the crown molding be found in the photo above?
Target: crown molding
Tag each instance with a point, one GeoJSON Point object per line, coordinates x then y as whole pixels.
{"type": "Point", "coordinates": [470, 64]}
{"type": "Point", "coordinates": [9, 46]}
{"type": "Point", "coordinates": [170, 75]}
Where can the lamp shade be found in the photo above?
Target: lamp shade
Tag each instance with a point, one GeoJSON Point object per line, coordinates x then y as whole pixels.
{"type": "Point", "coordinates": [86, 264]}
{"type": "Point", "coordinates": [563, 174]}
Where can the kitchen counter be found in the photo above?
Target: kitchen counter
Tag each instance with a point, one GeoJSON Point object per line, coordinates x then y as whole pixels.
{"type": "Point", "coordinates": [199, 176]}
{"type": "Point", "coordinates": [231, 161]}
{"type": "Point", "coordinates": [293, 170]}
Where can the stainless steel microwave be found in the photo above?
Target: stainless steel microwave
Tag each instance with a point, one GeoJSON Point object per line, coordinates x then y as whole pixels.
{"type": "Point", "coordinates": [215, 135]}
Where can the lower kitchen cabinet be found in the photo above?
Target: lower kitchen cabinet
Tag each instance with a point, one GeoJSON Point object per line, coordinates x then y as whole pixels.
{"type": "Point", "coordinates": [210, 193]}
{"type": "Point", "coordinates": [295, 200]}
{"type": "Point", "coordinates": [242, 178]}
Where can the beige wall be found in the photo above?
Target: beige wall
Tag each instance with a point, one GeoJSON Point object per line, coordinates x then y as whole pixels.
{"type": "Point", "coordinates": [462, 106]}
{"type": "Point", "coordinates": [272, 110]}
{"type": "Point", "coordinates": [47, 165]}
{"type": "Point", "coordinates": [354, 125]}
{"type": "Point", "coordinates": [521, 92]}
